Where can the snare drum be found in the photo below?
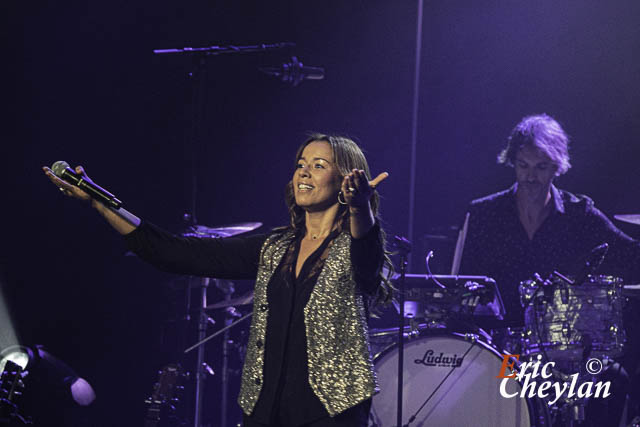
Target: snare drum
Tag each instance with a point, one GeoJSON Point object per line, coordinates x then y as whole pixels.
{"type": "Point", "coordinates": [450, 380]}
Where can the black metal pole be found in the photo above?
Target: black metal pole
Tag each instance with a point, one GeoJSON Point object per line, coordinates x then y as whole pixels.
{"type": "Point", "coordinates": [403, 246]}
{"type": "Point", "coordinates": [203, 320]}
{"type": "Point", "coordinates": [403, 265]}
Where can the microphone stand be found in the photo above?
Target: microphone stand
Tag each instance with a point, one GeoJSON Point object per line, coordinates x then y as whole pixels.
{"type": "Point", "coordinates": [228, 49]}
{"type": "Point", "coordinates": [403, 246]}
{"type": "Point", "coordinates": [198, 76]}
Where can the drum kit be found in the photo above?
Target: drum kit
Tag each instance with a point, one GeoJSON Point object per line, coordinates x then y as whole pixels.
{"type": "Point", "coordinates": [451, 367]}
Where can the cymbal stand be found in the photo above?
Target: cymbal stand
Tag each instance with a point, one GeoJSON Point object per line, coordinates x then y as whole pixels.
{"type": "Point", "coordinates": [227, 288]}
{"type": "Point", "coordinates": [202, 369]}
{"type": "Point", "coordinates": [204, 366]}
{"type": "Point", "coordinates": [403, 246]}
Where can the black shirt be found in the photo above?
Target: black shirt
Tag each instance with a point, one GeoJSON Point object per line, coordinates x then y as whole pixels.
{"type": "Point", "coordinates": [286, 394]}
{"type": "Point", "coordinates": [498, 246]}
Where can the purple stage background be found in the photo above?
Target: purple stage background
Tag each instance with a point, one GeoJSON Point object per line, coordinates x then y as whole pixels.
{"type": "Point", "coordinates": [85, 87]}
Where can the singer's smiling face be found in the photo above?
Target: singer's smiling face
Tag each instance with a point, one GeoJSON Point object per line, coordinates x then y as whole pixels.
{"type": "Point", "coordinates": [316, 180]}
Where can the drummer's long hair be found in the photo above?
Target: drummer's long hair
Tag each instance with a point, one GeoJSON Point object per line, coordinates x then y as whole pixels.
{"type": "Point", "coordinates": [542, 132]}
{"type": "Point", "coordinates": [347, 156]}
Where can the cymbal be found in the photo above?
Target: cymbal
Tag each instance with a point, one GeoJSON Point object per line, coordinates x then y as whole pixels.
{"type": "Point", "coordinates": [631, 218]}
{"type": "Point", "coordinates": [243, 300]}
{"type": "Point", "coordinates": [221, 231]}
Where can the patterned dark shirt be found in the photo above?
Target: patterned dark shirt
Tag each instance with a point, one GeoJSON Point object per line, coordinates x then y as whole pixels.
{"type": "Point", "coordinates": [498, 246]}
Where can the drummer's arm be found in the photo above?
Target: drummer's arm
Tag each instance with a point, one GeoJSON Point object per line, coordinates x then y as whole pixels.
{"type": "Point", "coordinates": [624, 252]}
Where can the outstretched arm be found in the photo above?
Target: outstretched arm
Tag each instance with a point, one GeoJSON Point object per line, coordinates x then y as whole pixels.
{"type": "Point", "coordinates": [123, 221]}
{"type": "Point", "coordinates": [231, 258]}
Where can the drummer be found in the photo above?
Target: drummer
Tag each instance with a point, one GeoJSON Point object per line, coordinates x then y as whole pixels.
{"type": "Point", "coordinates": [534, 227]}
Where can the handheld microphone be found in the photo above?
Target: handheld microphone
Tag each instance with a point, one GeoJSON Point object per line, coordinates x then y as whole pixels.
{"type": "Point", "coordinates": [62, 170]}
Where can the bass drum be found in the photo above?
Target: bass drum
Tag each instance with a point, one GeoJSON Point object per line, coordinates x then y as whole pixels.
{"type": "Point", "coordinates": [450, 380]}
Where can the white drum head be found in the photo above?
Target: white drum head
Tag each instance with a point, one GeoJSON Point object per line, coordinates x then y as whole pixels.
{"type": "Point", "coordinates": [470, 396]}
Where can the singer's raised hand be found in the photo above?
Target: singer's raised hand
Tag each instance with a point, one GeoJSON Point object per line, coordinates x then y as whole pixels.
{"type": "Point", "coordinates": [66, 188]}
{"type": "Point", "coordinates": [357, 190]}
{"type": "Point", "coordinates": [123, 221]}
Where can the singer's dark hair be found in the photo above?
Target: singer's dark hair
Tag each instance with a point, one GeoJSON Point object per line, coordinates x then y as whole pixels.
{"type": "Point", "coordinates": [347, 156]}
{"type": "Point", "coordinates": [542, 132]}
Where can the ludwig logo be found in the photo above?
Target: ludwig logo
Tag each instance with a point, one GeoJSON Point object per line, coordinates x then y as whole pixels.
{"type": "Point", "coordinates": [440, 360]}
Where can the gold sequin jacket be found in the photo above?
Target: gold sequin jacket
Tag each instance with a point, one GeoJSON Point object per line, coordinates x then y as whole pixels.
{"type": "Point", "coordinates": [340, 368]}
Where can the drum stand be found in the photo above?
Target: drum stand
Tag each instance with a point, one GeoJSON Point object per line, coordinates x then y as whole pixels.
{"type": "Point", "coordinates": [227, 288]}
{"type": "Point", "coordinates": [201, 368]}
{"type": "Point", "coordinates": [570, 410]}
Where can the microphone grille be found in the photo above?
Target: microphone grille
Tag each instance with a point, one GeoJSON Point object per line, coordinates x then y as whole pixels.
{"type": "Point", "coordinates": [59, 167]}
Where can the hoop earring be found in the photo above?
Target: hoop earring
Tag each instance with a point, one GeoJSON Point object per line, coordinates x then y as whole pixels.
{"type": "Point", "coordinates": [342, 202]}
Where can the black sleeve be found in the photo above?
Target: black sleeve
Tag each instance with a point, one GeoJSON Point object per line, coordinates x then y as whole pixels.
{"type": "Point", "coordinates": [228, 258]}
{"type": "Point", "coordinates": [366, 259]}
